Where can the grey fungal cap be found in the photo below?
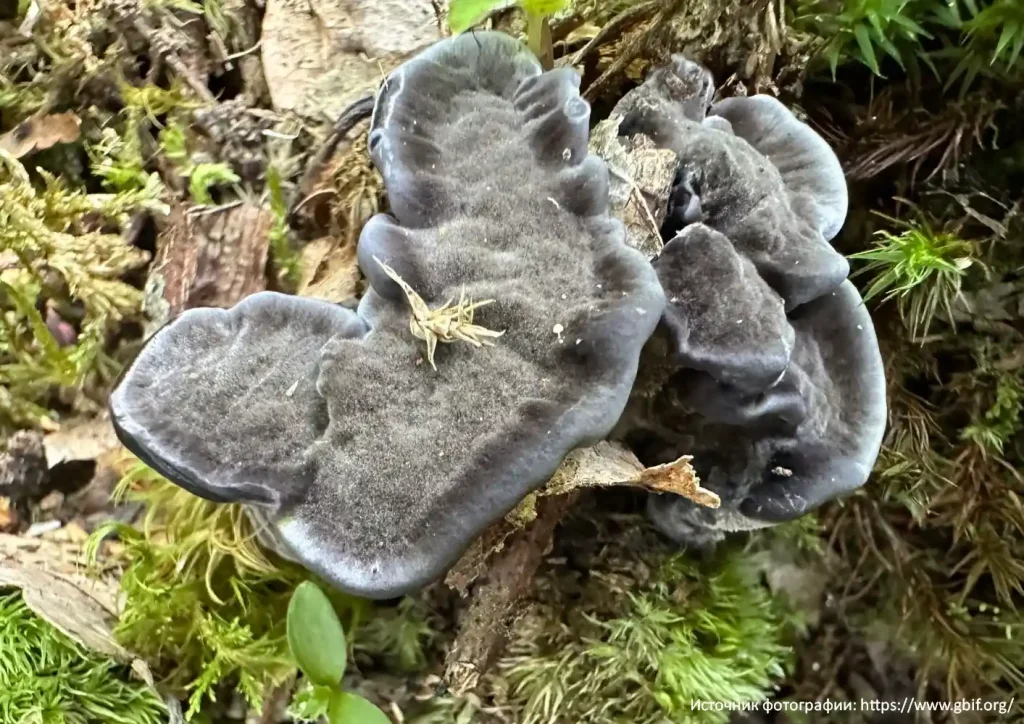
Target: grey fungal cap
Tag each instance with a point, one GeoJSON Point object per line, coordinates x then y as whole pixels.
{"type": "Point", "coordinates": [813, 437]}
{"type": "Point", "coordinates": [723, 317]}
{"type": "Point", "coordinates": [779, 392]}
{"type": "Point", "coordinates": [369, 467]}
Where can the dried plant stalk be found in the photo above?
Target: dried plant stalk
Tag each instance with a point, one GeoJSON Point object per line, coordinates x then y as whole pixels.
{"type": "Point", "coordinates": [445, 324]}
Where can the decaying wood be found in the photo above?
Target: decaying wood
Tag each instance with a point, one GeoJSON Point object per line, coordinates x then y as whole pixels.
{"type": "Point", "coordinates": [208, 257]}
{"type": "Point", "coordinates": [488, 621]}
{"type": "Point", "coordinates": [321, 55]}
{"type": "Point", "coordinates": [191, 31]}
{"type": "Point", "coordinates": [640, 182]}
{"type": "Point", "coordinates": [648, 41]}
{"type": "Point", "coordinates": [500, 566]}
{"type": "Point", "coordinates": [747, 37]}
{"type": "Point", "coordinates": [614, 29]}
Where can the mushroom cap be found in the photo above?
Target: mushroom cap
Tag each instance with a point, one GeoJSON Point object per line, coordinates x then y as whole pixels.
{"type": "Point", "coordinates": [813, 437]}
{"type": "Point", "coordinates": [750, 170]}
{"type": "Point", "coordinates": [741, 193]}
{"type": "Point", "coordinates": [372, 469]}
{"type": "Point", "coordinates": [808, 165]}
{"type": "Point", "coordinates": [722, 316]}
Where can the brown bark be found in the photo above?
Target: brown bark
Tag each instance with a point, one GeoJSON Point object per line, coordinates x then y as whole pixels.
{"type": "Point", "coordinates": [208, 258]}
{"type": "Point", "coordinates": [487, 623]}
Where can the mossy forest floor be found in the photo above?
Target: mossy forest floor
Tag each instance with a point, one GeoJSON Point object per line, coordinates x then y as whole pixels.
{"type": "Point", "coordinates": [166, 154]}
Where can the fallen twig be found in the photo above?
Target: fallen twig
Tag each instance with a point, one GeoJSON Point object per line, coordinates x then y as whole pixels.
{"type": "Point", "coordinates": [614, 28]}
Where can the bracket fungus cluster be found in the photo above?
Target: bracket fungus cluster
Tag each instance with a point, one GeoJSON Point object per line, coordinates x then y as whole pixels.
{"type": "Point", "coordinates": [779, 392]}
{"type": "Point", "coordinates": [365, 464]}
{"type": "Point", "coordinates": [373, 446]}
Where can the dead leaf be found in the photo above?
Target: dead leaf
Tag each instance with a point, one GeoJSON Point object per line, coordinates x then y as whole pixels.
{"type": "Point", "coordinates": [329, 271]}
{"type": "Point", "coordinates": [55, 588]}
{"type": "Point", "coordinates": [610, 464]}
{"type": "Point", "coordinates": [40, 132]}
{"type": "Point", "coordinates": [679, 478]}
{"type": "Point", "coordinates": [321, 55]}
{"type": "Point", "coordinates": [605, 464]}
{"type": "Point", "coordinates": [90, 439]}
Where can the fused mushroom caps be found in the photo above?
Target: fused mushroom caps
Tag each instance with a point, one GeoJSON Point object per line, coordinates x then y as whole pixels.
{"type": "Point", "coordinates": [730, 185]}
{"type": "Point", "coordinates": [369, 467]}
{"type": "Point", "coordinates": [811, 438]}
{"type": "Point", "coordinates": [750, 170]}
{"type": "Point", "coordinates": [781, 412]}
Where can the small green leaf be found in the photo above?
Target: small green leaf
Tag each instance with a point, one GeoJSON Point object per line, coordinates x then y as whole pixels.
{"type": "Point", "coordinates": [913, 28]}
{"type": "Point", "coordinates": [348, 708]}
{"type": "Point", "coordinates": [1009, 33]}
{"type": "Point", "coordinates": [866, 48]}
{"type": "Point", "coordinates": [315, 636]}
{"type": "Point", "coordinates": [1015, 55]}
{"type": "Point", "coordinates": [543, 7]}
{"type": "Point", "coordinates": [464, 14]}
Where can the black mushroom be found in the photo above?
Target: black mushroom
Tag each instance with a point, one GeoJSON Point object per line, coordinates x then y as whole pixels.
{"type": "Point", "coordinates": [778, 390]}
{"type": "Point", "coordinates": [369, 466]}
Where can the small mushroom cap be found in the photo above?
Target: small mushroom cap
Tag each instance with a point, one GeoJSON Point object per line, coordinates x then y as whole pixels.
{"type": "Point", "coordinates": [838, 369]}
{"type": "Point", "coordinates": [743, 195]}
{"type": "Point", "coordinates": [809, 439]}
{"type": "Point", "coordinates": [370, 467]}
{"type": "Point", "coordinates": [723, 317]}
{"type": "Point", "coordinates": [808, 165]}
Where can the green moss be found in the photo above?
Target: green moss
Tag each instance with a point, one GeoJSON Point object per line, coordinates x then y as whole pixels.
{"type": "Point", "coordinates": [46, 678]}
{"type": "Point", "coordinates": [642, 652]}
{"type": "Point", "coordinates": [974, 37]}
{"type": "Point", "coordinates": [933, 549]}
{"type": "Point", "coordinates": [204, 604]}
{"type": "Point", "coordinates": [920, 267]}
{"type": "Point", "coordinates": [53, 257]}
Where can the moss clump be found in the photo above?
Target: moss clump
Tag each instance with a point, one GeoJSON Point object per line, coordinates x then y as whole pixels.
{"type": "Point", "coordinates": [59, 257]}
{"type": "Point", "coordinates": [47, 678]}
{"type": "Point", "coordinates": [204, 604]}
{"type": "Point", "coordinates": [956, 40]}
{"type": "Point", "coordinates": [933, 549]}
{"type": "Point", "coordinates": [638, 641]}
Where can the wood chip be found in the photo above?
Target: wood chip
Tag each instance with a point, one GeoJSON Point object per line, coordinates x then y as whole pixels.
{"type": "Point", "coordinates": [212, 258]}
{"type": "Point", "coordinates": [40, 132]}
{"type": "Point", "coordinates": [320, 55]}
